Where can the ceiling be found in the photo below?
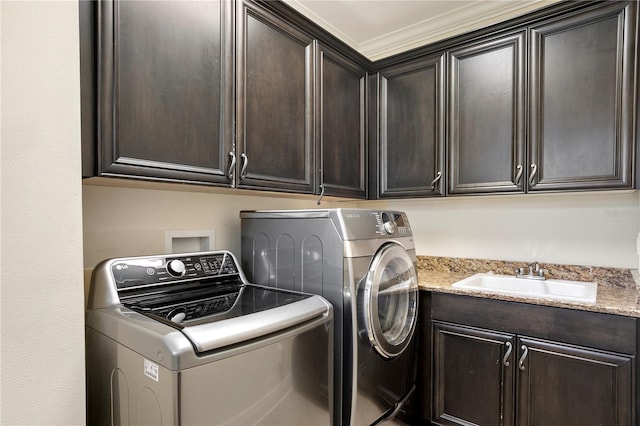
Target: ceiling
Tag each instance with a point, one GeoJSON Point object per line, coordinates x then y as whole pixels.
{"type": "Point", "coordinates": [381, 28]}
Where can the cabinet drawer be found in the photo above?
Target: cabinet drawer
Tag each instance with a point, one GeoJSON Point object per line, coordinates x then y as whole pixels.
{"type": "Point", "coordinates": [597, 330]}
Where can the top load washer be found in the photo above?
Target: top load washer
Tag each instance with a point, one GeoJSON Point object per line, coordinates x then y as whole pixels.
{"type": "Point", "coordinates": [184, 339]}
{"type": "Point", "coordinates": [363, 262]}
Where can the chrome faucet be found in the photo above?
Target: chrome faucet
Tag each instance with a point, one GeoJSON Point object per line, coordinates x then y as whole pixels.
{"type": "Point", "coordinates": [535, 272]}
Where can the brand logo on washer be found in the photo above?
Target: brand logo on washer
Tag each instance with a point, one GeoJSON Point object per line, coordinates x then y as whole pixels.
{"type": "Point", "coordinates": [352, 215]}
{"type": "Point", "coordinates": [151, 370]}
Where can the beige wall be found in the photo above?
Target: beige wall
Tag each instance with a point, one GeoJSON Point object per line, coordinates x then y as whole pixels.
{"type": "Point", "coordinates": [42, 317]}
{"type": "Point", "coordinates": [596, 228]}
{"type": "Point", "coordinates": [125, 221]}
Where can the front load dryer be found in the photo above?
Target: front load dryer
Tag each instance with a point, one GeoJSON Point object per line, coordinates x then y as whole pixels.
{"type": "Point", "coordinates": [363, 262]}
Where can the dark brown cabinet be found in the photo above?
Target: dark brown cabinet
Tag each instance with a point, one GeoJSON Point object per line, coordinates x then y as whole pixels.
{"type": "Point", "coordinates": [164, 89]}
{"type": "Point", "coordinates": [231, 93]}
{"type": "Point", "coordinates": [583, 99]}
{"type": "Point", "coordinates": [473, 375]}
{"type": "Point", "coordinates": [341, 132]}
{"type": "Point", "coordinates": [410, 129]}
{"type": "Point", "coordinates": [508, 363]}
{"type": "Point", "coordinates": [569, 385]}
{"type": "Point", "coordinates": [485, 122]}
{"type": "Point", "coordinates": [275, 76]}
{"type": "Point", "coordinates": [540, 104]}
{"type": "Point", "coordinates": [580, 114]}
{"type": "Point", "coordinates": [250, 94]}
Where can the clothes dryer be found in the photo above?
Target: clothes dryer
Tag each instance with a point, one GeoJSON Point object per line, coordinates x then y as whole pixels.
{"type": "Point", "coordinates": [363, 262]}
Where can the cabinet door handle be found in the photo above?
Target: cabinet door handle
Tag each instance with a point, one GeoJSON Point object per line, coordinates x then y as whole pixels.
{"type": "Point", "coordinates": [534, 170]}
{"type": "Point", "coordinates": [523, 357]}
{"type": "Point", "coordinates": [505, 361]}
{"type": "Point", "coordinates": [321, 194]}
{"type": "Point", "coordinates": [245, 163]}
{"type": "Point", "coordinates": [232, 165]}
{"type": "Point", "coordinates": [519, 174]}
{"type": "Point", "coordinates": [435, 181]}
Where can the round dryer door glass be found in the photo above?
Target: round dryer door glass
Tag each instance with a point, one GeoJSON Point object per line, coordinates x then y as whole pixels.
{"type": "Point", "coordinates": [390, 300]}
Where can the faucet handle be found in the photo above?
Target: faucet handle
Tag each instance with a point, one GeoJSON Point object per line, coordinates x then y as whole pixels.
{"type": "Point", "coordinates": [534, 272]}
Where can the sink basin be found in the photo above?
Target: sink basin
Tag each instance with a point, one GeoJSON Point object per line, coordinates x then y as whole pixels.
{"type": "Point", "coordinates": [562, 290]}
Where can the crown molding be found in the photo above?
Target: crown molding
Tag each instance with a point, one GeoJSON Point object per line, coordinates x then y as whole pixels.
{"type": "Point", "coordinates": [322, 22]}
{"type": "Point", "coordinates": [456, 21]}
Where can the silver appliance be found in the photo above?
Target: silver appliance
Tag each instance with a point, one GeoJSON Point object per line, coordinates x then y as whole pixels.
{"type": "Point", "coordinates": [363, 262]}
{"type": "Point", "coordinates": [184, 339]}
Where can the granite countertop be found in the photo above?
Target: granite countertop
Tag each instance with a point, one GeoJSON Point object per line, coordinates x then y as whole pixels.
{"type": "Point", "coordinates": [618, 289]}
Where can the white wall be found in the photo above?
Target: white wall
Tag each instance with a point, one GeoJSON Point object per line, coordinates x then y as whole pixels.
{"type": "Point", "coordinates": [42, 317]}
{"type": "Point", "coordinates": [596, 229]}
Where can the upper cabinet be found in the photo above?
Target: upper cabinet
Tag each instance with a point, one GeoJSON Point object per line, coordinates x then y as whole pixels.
{"type": "Point", "coordinates": [581, 110]}
{"type": "Point", "coordinates": [341, 119]}
{"type": "Point", "coordinates": [543, 103]}
{"type": "Point", "coordinates": [409, 130]}
{"type": "Point", "coordinates": [243, 93]}
{"type": "Point", "coordinates": [164, 89]}
{"type": "Point", "coordinates": [275, 76]}
{"type": "Point", "coordinates": [250, 94]}
{"type": "Point", "coordinates": [485, 121]}
{"type": "Point", "coordinates": [583, 100]}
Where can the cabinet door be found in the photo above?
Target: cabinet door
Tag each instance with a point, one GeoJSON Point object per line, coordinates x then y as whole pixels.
{"type": "Point", "coordinates": [583, 100]}
{"type": "Point", "coordinates": [275, 103]}
{"type": "Point", "coordinates": [569, 385]}
{"type": "Point", "coordinates": [486, 116]}
{"type": "Point", "coordinates": [410, 129]}
{"type": "Point", "coordinates": [473, 376]}
{"type": "Point", "coordinates": [165, 89]}
{"type": "Point", "coordinates": [341, 126]}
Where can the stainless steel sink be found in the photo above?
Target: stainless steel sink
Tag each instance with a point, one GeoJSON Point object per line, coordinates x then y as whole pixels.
{"type": "Point", "coordinates": [562, 290]}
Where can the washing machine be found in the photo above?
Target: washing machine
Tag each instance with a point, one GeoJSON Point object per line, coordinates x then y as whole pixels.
{"type": "Point", "coordinates": [184, 339]}
{"type": "Point", "coordinates": [363, 262]}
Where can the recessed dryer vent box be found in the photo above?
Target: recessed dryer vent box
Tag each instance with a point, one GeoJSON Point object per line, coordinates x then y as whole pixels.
{"type": "Point", "coordinates": [189, 241]}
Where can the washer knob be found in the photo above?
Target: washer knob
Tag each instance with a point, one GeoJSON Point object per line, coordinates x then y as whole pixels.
{"type": "Point", "coordinates": [176, 268]}
{"type": "Point", "coordinates": [177, 315]}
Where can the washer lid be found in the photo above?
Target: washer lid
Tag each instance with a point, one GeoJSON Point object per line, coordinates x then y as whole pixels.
{"type": "Point", "coordinates": [243, 328]}
{"type": "Point", "coordinates": [211, 320]}
{"type": "Point", "coordinates": [390, 300]}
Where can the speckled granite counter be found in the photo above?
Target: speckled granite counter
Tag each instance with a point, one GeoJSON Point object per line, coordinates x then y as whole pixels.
{"type": "Point", "coordinates": [618, 289]}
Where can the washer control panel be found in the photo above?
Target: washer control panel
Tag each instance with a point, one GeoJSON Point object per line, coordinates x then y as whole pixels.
{"type": "Point", "coordinates": [143, 271]}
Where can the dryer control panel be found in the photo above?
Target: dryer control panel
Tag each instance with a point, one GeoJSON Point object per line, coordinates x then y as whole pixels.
{"type": "Point", "coordinates": [391, 223]}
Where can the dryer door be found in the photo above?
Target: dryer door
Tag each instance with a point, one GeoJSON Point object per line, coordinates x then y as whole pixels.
{"type": "Point", "coordinates": [390, 300]}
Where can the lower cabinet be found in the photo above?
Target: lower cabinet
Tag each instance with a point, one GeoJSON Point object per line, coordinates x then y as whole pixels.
{"type": "Point", "coordinates": [569, 385]}
{"type": "Point", "coordinates": [473, 376]}
{"type": "Point", "coordinates": [508, 363]}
